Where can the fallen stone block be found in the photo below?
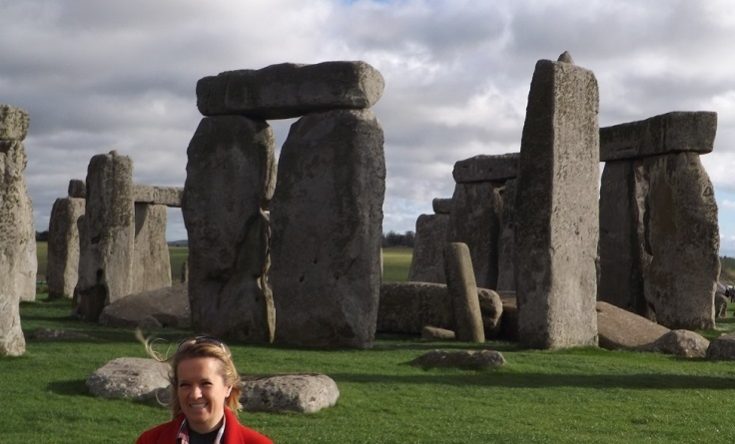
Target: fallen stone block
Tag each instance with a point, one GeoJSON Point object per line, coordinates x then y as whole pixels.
{"type": "Point", "coordinates": [620, 329]}
{"type": "Point", "coordinates": [683, 343]}
{"type": "Point", "coordinates": [465, 359]}
{"type": "Point", "coordinates": [136, 379]}
{"type": "Point", "coordinates": [302, 393]}
{"type": "Point", "coordinates": [169, 306]}
{"type": "Point", "coordinates": [431, 333]}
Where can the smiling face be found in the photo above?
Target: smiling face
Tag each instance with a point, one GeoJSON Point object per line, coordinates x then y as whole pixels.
{"type": "Point", "coordinates": [202, 392]}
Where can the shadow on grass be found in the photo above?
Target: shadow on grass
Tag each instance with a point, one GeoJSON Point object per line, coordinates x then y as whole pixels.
{"type": "Point", "coordinates": [542, 380]}
{"type": "Point", "coordinates": [74, 387]}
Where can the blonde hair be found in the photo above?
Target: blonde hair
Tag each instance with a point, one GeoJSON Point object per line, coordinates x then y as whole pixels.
{"type": "Point", "coordinates": [198, 347]}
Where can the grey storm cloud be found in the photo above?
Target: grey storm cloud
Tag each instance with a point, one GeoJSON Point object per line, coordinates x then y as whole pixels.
{"type": "Point", "coordinates": [97, 76]}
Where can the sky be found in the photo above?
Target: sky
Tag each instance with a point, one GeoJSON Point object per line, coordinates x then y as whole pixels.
{"type": "Point", "coordinates": [96, 76]}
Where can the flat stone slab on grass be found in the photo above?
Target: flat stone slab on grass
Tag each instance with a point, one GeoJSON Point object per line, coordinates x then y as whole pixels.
{"type": "Point", "coordinates": [290, 90]}
{"type": "Point", "coordinates": [431, 333]}
{"type": "Point", "coordinates": [168, 305]}
{"type": "Point", "coordinates": [722, 348]}
{"type": "Point", "coordinates": [464, 359]}
{"type": "Point", "coordinates": [684, 343]}
{"type": "Point", "coordinates": [621, 329]}
{"type": "Point", "coordinates": [129, 378]}
{"type": "Point", "coordinates": [302, 393]}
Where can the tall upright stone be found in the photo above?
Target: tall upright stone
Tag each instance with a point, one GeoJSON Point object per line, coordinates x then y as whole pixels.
{"type": "Point", "coordinates": [16, 226]}
{"type": "Point", "coordinates": [62, 269]}
{"type": "Point", "coordinates": [106, 256]}
{"type": "Point", "coordinates": [427, 264]}
{"type": "Point", "coordinates": [506, 239]}
{"type": "Point", "coordinates": [463, 292]}
{"type": "Point", "coordinates": [230, 177]}
{"type": "Point", "coordinates": [659, 237]}
{"type": "Point", "coordinates": [327, 223]}
{"type": "Point", "coordinates": [557, 209]}
{"type": "Point", "coordinates": [151, 261]}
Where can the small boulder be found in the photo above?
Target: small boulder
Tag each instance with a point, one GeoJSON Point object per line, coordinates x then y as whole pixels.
{"type": "Point", "coordinates": [137, 379]}
{"type": "Point", "coordinates": [163, 307]}
{"type": "Point", "coordinates": [302, 393]}
{"type": "Point", "coordinates": [491, 309]}
{"type": "Point", "coordinates": [621, 329]}
{"type": "Point", "coordinates": [722, 348]}
{"type": "Point", "coordinates": [431, 333]}
{"type": "Point", "coordinates": [684, 343]}
{"type": "Point", "coordinates": [464, 359]}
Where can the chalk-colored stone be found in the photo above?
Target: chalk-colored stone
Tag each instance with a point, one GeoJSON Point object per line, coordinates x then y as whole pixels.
{"type": "Point", "coordinates": [151, 261]}
{"type": "Point", "coordinates": [557, 209]}
{"type": "Point", "coordinates": [290, 90]}
{"type": "Point", "coordinates": [463, 292]}
{"type": "Point", "coordinates": [13, 123]}
{"type": "Point", "coordinates": [169, 196]}
{"type": "Point", "coordinates": [62, 269]}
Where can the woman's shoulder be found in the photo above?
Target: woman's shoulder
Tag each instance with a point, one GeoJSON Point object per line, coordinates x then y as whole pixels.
{"type": "Point", "coordinates": [161, 433]}
{"type": "Point", "coordinates": [241, 433]}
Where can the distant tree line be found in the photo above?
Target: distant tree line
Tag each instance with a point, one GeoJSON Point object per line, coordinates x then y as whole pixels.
{"type": "Point", "coordinates": [393, 239]}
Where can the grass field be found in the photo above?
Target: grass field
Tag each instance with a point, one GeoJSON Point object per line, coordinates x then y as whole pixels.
{"type": "Point", "coordinates": [569, 396]}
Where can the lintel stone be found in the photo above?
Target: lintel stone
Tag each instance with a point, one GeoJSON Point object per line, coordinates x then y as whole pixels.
{"type": "Point", "coordinates": [169, 196]}
{"type": "Point", "coordinates": [442, 206]}
{"type": "Point", "coordinates": [486, 168]}
{"type": "Point", "coordinates": [673, 132]}
{"type": "Point", "coordinates": [290, 90]}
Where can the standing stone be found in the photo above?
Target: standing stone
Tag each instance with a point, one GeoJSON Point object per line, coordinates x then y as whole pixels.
{"type": "Point", "coordinates": [475, 221]}
{"type": "Point", "coordinates": [77, 188]}
{"type": "Point", "coordinates": [151, 262]}
{"type": "Point", "coordinates": [463, 292]}
{"type": "Point", "coordinates": [106, 256]}
{"type": "Point", "coordinates": [427, 264]}
{"type": "Point", "coordinates": [557, 209]}
{"type": "Point", "coordinates": [62, 269]}
{"type": "Point", "coordinates": [229, 180]}
{"type": "Point", "coordinates": [506, 241]}
{"type": "Point", "coordinates": [441, 206]}
{"type": "Point", "coordinates": [16, 220]}
{"type": "Point", "coordinates": [327, 222]}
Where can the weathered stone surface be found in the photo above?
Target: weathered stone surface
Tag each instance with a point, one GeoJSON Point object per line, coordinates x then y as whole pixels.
{"type": "Point", "coordinates": [302, 393]}
{"type": "Point", "coordinates": [290, 90]}
{"type": "Point", "coordinates": [464, 359]}
{"type": "Point", "coordinates": [463, 293]}
{"type": "Point", "coordinates": [151, 262]}
{"type": "Point", "coordinates": [169, 306]}
{"type": "Point", "coordinates": [506, 239]}
{"type": "Point", "coordinates": [17, 236]}
{"type": "Point", "coordinates": [486, 168]}
{"type": "Point", "coordinates": [169, 196]}
{"type": "Point", "coordinates": [129, 378]}
{"type": "Point", "coordinates": [622, 238]}
{"type": "Point", "coordinates": [108, 231]}
{"type": "Point", "coordinates": [681, 263]}
{"type": "Point", "coordinates": [230, 174]}
{"type": "Point", "coordinates": [722, 348]}
{"type": "Point", "coordinates": [77, 189]}
{"type": "Point", "coordinates": [62, 266]}
{"type": "Point", "coordinates": [406, 307]}
{"type": "Point", "coordinates": [557, 209]}
{"type": "Point", "coordinates": [509, 318]}
{"type": "Point", "coordinates": [441, 206]}
{"type": "Point", "coordinates": [427, 263]}
{"type": "Point", "coordinates": [621, 329]}
{"type": "Point", "coordinates": [684, 343]}
{"type": "Point", "coordinates": [475, 221]}
{"type": "Point", "coordinates": [491, 310]}
{"type": "Point", "coordinates": [720, 306]}
{"type": "Point", "coordinates": [663, 134]}
{"type": "Point", "coordinates": [327, 224]}
{"type": "Point", "coordinates": [431, 333]}
{"type": "Point", "coordinates": [13, 123]}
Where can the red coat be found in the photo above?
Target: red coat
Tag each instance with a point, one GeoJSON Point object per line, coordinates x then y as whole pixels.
{"type": "Point", "coordinates": [235, 433]}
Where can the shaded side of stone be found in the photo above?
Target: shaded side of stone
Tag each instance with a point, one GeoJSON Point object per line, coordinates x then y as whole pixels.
{"type": "Point", "coordinates": [475, 221]}
{"type": "Point", "coordinates": [406, 307]}
{"type": "Point", "coordinates": [486, 168]}
{"type": "Point", "coordinates": [427, 263]}
{"type": "Point", "coordinates": [77, 189]}
{"type": "Point", "coordinates": [722, 348]}
{"type": "Point", "coordinates": [169, 306]}
{"type": "Point", "coordinates": [229, 178]}
{"type": "Point", "coordinates": [506, 239]}
{"type": "Point", "coordinates": [151, 263]}
{"type": "Point", "coordinates": [289, 90]}
{"type": "Point", "coordinates": [62, 267]}
{"type": "Point", "coordinates": [463, 293]}
{"type": "Point", "coordinates": [463, 359]}
{"type": "Point", "coordinates": [106, 255]}
{"type": "Point", "coordinates": [169, 196]}
{"type": "Point", "coordinates": [557, 209]}
{"type": "Point", "coordinates": [442, 206]}
{"type": "Point", "coordinates": [681, 263]}
{"type": "Point", "coordinates": [327, 224]}
{"type": "Point", "coordinates": [663, 134]}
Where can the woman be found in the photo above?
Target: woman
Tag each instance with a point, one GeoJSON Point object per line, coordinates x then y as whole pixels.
{"type": "Point", "coordinates": [205, 390]}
